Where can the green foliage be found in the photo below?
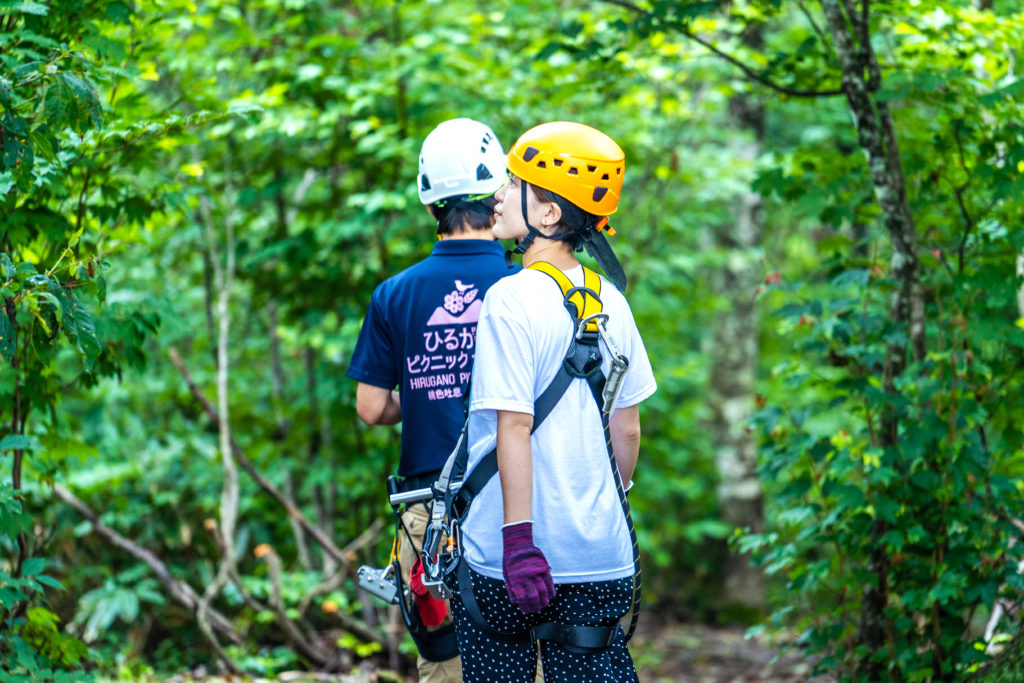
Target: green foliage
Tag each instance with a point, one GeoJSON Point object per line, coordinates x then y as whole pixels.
{"type": "Point", "coordinates": [920, 480]}
{"type": "Point", "coordinates": [32, 646]}
{"type": "Point", "coordinates": [118, 598]}
{"type": "Point", "coordinates": [133, 134]}
{"type": "Point", "coordinates": [55, 135]}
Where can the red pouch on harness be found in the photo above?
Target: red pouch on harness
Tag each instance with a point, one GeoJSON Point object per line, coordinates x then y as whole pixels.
{"type": "Point", "coordinates": [432, 611]}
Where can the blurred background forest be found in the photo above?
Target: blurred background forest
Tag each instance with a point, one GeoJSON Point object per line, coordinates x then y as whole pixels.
{"type": "Point", "coordinates": [821, 226]}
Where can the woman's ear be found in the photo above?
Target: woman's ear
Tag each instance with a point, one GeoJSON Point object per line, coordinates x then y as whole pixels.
{"type": "Point", "coordinates": [551, 214]}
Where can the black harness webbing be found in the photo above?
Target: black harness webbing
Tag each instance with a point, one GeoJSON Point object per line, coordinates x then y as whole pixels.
{"type": "Point", "coordinates": [582, 361]}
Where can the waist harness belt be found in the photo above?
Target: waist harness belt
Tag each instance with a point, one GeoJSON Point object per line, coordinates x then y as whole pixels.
{"type": "Point", "coordinates": [454, 493]}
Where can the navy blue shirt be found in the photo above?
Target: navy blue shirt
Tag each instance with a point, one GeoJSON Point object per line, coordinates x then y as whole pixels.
{"type": "Point", "coordinates": [420, 334]}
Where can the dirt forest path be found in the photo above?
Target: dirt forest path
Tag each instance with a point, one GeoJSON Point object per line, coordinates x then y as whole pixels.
{"type": "Point", "coordinates": [695, 653]}
{"type": "Point", "coordinates": [671, 653]}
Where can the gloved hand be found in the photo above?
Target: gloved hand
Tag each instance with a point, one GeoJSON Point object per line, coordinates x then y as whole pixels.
{"type": "Point", "coordinates": [432, 611]}
{"type": "Point", "coordinates": [526, 571]}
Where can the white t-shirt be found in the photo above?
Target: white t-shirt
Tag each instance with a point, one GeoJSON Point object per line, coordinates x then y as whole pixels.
{"type": "Point", "coordinates": [523, 334]}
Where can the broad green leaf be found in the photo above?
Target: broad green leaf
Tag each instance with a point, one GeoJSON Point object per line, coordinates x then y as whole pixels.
{"type": "Point", "coordinates": [58, 448]}
{"type": "Point", "coordinates": [33, 566]}
{"type": "Point", "coordinates": [49, 581]}
{"type": "Point", "coordinates": [36, 8]}
{"type": "Point", "coordinates": [25, 442]}
{"type": "Point", "coordinates": [8, 336]}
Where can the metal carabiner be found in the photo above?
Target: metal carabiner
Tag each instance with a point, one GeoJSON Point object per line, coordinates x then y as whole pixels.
{"type": "Point", "coordinates": [617, 372]}
{"type": "Point", "coordinates": [606, 337]}
{"type": "Point", "coordinates": [599, 320]}
{"type": "Point", "coordinates": [434, 565]}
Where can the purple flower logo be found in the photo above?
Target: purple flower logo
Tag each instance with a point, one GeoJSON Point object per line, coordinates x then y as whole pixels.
{"type": "Point", "coordinates": [463, 296]}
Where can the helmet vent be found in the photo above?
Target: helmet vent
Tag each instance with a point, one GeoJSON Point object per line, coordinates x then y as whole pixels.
{"type": "Point", "coordinates": [541, 164]}
{"type": "Point", "coordinates": [574, 171]}
{"type": "Point", "coordinates": [599, 193]}
{"type": "Point", "coordinates": [530, 153]}
{"type": "Point", "coordinates": [558, 162]}
{"type": "Point", "coordinates": [483, 173]}
{"type": "Point", "coordinates": [604, 177]}
{"type": "Point", "coordinates": [591, 168]}
{"type": "Point", "coordinates": [618, 170]}
{"type": "Point", "coordinates": [424, 182]}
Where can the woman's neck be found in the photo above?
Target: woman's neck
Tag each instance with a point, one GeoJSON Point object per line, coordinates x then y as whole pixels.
{"type": "Point", "coordinates": [557, 253]}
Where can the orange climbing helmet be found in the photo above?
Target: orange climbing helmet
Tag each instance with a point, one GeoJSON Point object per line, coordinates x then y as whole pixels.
{"type": "Point", "coordinates": [583, 166]}
{"type": "Point", "coordinates": [574, 161]}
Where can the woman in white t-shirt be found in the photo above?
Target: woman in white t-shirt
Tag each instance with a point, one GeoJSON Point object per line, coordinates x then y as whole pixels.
{"type": "Point", "coordinates": [548, 543]}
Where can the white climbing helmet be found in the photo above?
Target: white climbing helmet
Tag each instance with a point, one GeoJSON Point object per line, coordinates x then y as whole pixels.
{"type": "Point", "coordinates": [460, 157]}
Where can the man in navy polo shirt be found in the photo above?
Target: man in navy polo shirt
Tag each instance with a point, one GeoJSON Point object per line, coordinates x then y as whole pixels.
{"type": "Point", "coordinates": [419, 333]}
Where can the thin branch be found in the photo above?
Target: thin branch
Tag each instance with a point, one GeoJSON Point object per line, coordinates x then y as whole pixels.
{"type": "Point", "coordinates": [305, 558]}
{"type": "Point", "coordinates": [959, 191]}
{"type": "Point", "coordinates": [277, 378]}
{"type": "Point", "coordinates": [304, 644]}
{"type": "Point", "coordinates": [1020, 293]}
{"type": "Point", "coordinates": [817, 29]}
{"type": "Point", "coordinates": [335, 579]}
{"type": "Point", "coordinates": [747, 71]}
{"type": "Point", "coordinates": [281, 428]}
{"type": "Point", "coordinates": [300, 193]}
{"type": "Point", "coordinates": [179, 590]}
{"type": "Point", "coordinates": [224, 278]}
{"type": "Point", "coordinates": [247, 465]}
{"type": "Point", "coordinates": [81, 202]}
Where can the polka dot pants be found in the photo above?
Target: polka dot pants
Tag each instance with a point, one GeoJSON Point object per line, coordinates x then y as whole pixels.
{"type": "Point", "coordinates": [488, 660]}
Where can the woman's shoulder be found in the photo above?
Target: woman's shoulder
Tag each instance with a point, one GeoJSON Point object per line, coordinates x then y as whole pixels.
{"type": "Point", "coordinates": [520, 287]}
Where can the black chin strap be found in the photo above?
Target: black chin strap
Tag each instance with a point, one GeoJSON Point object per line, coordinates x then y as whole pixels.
{"type": "Point", "coordinates": [532, 232]}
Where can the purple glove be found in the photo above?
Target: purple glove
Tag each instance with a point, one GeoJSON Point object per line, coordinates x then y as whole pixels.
{"type": "Point", "coordinates": [527, 574]}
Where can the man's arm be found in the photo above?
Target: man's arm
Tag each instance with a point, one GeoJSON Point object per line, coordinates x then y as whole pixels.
{"type": "Point", "coordinates": [625, 428]}
{"type": "Point", "coordinates": [515, 465]}
{"type": "Point", "coordinates": [377, 405]}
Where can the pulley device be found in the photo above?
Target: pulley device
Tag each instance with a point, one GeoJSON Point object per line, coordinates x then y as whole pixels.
{"type": "Point", "coordinates": [436, 644]}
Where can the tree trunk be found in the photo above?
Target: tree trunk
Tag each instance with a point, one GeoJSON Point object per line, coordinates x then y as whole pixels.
{"type": "Point", "coordinates": [1006, 667]}
{"type": "Point", "coordinates": [734, 366]}
{"type": "Point", "coordinates": [223, 282]}
{"type": "Point", "coordinates": [731, 392]}
{"type": "Point", "coordinates": [849, 26]}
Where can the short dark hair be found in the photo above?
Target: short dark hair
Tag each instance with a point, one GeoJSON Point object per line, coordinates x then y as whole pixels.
{"type": "Point", "coordinates": [574, 222]}
{"type": "Point", "coordinates": [456, 215]}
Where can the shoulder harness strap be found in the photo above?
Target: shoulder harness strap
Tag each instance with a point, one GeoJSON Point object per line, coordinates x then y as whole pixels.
{"type": "Point", "coordinates": [583, 303]}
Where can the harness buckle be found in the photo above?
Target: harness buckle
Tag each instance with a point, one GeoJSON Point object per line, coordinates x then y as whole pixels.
{"type": "Point", "coordinates": [554, 631]}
